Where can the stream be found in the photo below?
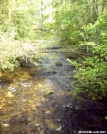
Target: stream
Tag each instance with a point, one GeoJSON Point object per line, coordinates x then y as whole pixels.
{"type": "Point", "coordinates": [38, 100]}
{"type": "Point", "coordinates": [31, 97]}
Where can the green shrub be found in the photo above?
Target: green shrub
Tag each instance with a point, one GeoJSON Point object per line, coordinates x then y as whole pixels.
{"type": "Point", "coordinates": [91, 77]}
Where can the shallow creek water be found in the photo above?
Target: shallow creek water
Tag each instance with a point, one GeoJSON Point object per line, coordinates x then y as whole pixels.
{"type": "Point", "coordinates": [38, 100]}
{"type": "Point", "coordinates": [30, 98]}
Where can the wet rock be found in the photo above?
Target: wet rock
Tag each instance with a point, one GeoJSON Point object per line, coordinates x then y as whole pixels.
{"type": "Point", "coordinates": [24, 100]}
{"type": "Point", "coordinates": [69, 105]}
{"type": "Point", "coordinates": [59, 129]}
{"type": "Point", "coordinates": [49, 72]}
{"type": "Point", "coordinates": [34, 64]}
{"type": "Point", "coordinates": [9, 94]}
{"type": "Point", "coordinates": [47, 112]}
{"type": "Point", "coordinates": [10, 103]}
{"type": "Point", "coordinates": [58, 64]}
{"type": "Point", "coordinates": [69, 77]}
{"type": "Point", "coordinates": [5, 125]}
{"type": "Point", "coordinates": [49, 93]}
{"type": "Point", "coordinates": [12, 89]}
{"type": "Point", "coordinates": [69, 68]}
{"type": "Point", "coordinates": [58, 120]}
{"type": "Point", "coordinates": [54, 47]}
{"type": "Point", "coordinates": [49, 131]}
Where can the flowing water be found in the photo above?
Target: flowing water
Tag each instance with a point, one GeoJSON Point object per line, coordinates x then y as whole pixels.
{"type": "Point", "coordinates": [38, 100]}
{"type": "Point", "coordinates": [29, 97]}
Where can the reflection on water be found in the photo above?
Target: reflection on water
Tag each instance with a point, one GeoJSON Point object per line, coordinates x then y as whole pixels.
{"type": "Point", "coordinates": [27, 100]}
{"type": "Point", "coordinates": [21, 96]}
{"type": "Point", "coordinates": [29, 96]}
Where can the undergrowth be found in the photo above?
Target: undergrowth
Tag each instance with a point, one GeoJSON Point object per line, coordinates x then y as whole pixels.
{"type": "Point", "coordinates": [13, 52]}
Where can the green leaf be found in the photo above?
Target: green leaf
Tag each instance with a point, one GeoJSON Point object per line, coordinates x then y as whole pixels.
{"type": "Point", "coordinates": [105, 117]}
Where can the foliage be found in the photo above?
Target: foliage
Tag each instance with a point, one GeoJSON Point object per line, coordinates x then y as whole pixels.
{"type": "Point", "coordinates": [17, 18]}
{"type": "Point", "coordinates": [88, 30]}
{"type": "Point", "coordinates": [105, 117]}
{"type": "Point", "coordinates": [7, 53]}
{"type": "Point", "coordinates": [17, 21]}
{"type": "Point", "coordinates": [91, 75]}
{"type": "Point", "coordinates": [69, 20]}
{"type": "Point", "coordinates": [11, 51]}
{"type": "Point", "coordinates": [91, 72]}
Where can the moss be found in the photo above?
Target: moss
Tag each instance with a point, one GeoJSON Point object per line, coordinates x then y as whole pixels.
{"type": "Point", "coordinates": [49, 92]}
{"type": "Point", "coordinates": [58, 64]}
{"type": "Point", "coordinates": [69, 77]}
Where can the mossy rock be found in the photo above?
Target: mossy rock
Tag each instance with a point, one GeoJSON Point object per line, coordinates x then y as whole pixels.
{"type": "Point", "coordinates": [58, 64]}
{"type": "Point", "coordinates": [71, 56]}
{"type": "Point", "coordinates": [69, 77]}
{"type": "Point", "coordinates": [51, 71]}
{"type": "Point", "coordinates": [49, 92]}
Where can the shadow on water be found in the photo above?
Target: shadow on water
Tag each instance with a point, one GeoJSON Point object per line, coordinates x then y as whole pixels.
{"type": "Point", "coordinates": [39, 101]}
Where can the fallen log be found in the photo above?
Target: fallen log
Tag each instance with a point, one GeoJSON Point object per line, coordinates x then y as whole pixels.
{"type": "Point", "coordinates": [63, 51]}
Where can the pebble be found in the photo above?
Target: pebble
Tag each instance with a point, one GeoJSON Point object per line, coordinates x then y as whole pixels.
{"type": "Point", "coordinates": [9, 94]}
{"type": "Point", "coordinates": [59, 129]}
{"type": "Point", "coordinates": [5, 125]}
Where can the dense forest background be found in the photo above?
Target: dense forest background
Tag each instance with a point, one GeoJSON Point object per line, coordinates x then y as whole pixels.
{"type": "Point", "coordinates": [80, 24]}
